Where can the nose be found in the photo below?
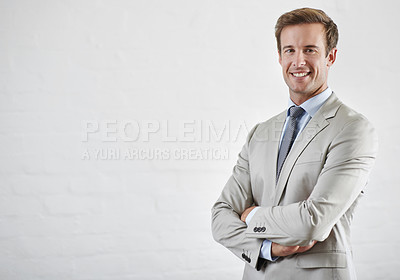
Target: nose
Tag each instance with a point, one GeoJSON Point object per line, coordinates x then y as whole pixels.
{"type": "Point", "coordinates": [299, 60]}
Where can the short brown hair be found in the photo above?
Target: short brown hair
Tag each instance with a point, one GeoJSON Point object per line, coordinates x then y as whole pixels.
{"type": "Point", "coordinates": [308, 15]}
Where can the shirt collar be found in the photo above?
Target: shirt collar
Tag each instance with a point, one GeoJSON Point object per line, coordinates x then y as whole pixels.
{"type": "Point", "coordinates": [312, 105]}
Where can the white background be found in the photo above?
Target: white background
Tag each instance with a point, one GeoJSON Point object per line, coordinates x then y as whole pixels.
{"type": "Point", "coordinates": [66, 64]}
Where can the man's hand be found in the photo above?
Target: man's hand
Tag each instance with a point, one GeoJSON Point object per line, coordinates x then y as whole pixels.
{"type": "Point", "coordinates": [278, 250]}
{"type": "Point", "coordinates": [246, 213]}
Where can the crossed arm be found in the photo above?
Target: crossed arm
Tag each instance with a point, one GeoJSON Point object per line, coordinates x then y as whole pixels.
{"type": "Point", "coordinates": [278, 250]}
{"type": "Point", "coordinates": [292, 228]}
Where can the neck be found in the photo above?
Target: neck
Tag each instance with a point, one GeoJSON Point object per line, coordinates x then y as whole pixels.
{"type": "Point", "coordinates": [299, 98]}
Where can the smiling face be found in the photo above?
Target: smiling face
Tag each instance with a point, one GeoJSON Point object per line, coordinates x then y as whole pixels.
{"type": "Point", "coordinates": [304, 61]}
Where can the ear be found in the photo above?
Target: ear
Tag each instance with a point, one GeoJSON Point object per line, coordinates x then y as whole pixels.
{"type": "Point", "coordinates": [331, 58]}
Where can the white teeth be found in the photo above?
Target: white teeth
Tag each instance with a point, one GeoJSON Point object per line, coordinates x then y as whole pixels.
{"type": "Point", "coordinates": [299, 74]}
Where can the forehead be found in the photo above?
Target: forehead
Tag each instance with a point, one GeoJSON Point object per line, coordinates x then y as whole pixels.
{"type": "Point", "coordinates": [303, 35]}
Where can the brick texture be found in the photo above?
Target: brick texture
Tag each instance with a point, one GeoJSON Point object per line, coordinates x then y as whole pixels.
{"type": "Point", "coordinates": [109, 165]}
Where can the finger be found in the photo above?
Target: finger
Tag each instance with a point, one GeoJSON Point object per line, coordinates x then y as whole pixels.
{"type": "Point", "coordinates": [306, 248]}
{"type": "Point", "coordinates": [244, 216]}
{"type": "Point", "coordinates": [289, 250]}
{"type": "Point", "coordinates": [278, 250]}
{"type": "Point", "coordinates": [246, 213]}
{"type": "Point", "coordinates": [303, 249]}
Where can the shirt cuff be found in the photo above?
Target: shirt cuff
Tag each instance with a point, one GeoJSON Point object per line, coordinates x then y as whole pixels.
{"type": "Point", "coordinates": [265, 251]}
{"type": "Point", "coordinates": [250, 215]}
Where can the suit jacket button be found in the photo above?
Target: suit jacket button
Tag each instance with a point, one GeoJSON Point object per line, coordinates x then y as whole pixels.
{"type": "Point", "coordinates": [248, 260]}
{"type": "Point", "coordinates": [263, 229]}
{"type": "Point", "coordinates": [255, 229]}
{"type": "Point", "coordinates": [244, 256]}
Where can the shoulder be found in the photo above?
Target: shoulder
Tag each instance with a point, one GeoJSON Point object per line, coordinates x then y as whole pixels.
{"type": "Point", "coordinates": [353, 130]}
{"type": "Point", "coordinates": [341, 115]}
{"type": "Point", "coordinates": [348, 117]}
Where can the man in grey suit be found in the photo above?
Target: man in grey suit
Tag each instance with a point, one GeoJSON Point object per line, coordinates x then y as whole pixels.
{"type": "Point", "coordinates": [287, 208]}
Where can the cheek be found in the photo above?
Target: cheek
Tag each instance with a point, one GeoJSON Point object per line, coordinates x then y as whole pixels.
{"type": "Point", "coordinates": [285, 65]}
{"type": "Point", "coordinates": [319, 68]}
{"type": "Point", "coordinates": [323, 70]}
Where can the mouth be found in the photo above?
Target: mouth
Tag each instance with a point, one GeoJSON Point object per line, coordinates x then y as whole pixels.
{"type": "Point", "coordinates": [300, 74]}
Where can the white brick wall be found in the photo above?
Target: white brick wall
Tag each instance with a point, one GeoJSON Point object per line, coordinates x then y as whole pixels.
{"type": "Point", "coordinates": [64, 63]}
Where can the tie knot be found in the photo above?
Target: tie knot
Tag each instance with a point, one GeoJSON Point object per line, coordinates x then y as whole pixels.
{"type": "Point", "coordinates": [296, 112]}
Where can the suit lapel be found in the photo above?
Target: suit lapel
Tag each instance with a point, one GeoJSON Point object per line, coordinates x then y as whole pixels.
{"type": "Point", "coordinates": [313, 128]}
{"type": "Point", "coordinates": [266, 155]}
{"type": "Point", "coordinates": [274, 149]}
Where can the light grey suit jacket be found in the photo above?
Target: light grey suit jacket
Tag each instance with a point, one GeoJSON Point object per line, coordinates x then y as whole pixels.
{"type": "Point", "coordinates": [320, 184]}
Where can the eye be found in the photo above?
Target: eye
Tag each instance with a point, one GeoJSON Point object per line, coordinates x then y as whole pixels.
{"type": "Point", "coordinates": [310, 51]}
{"type": "Point", "coordinates": [289, 50]}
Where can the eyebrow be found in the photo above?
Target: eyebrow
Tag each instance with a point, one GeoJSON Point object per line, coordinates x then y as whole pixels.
{"type": "Point", "coordinates": [312, 46]}
{"type": "Point", "coordinates": [308, 46]}
{"type": "Point", "coordinates": [287, 47]}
